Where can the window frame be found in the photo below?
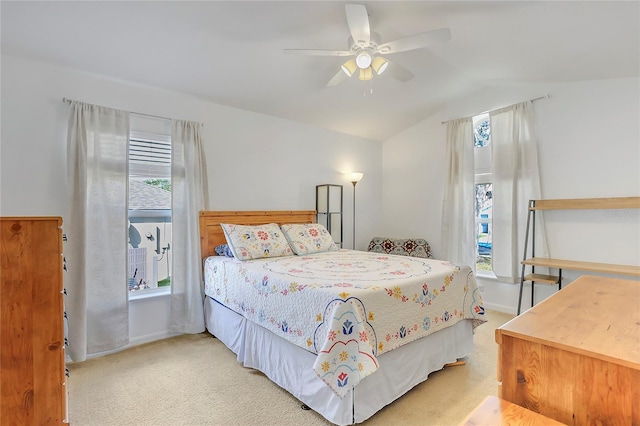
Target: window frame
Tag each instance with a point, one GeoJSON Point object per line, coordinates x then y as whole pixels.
{"type": "Point", "coordinates": [483, 174]}
{"type": "Point", "coordinates": [138, 171]}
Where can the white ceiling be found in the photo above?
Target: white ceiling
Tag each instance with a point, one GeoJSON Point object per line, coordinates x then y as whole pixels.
{"type": "Point", "coordinates": [231, 52]}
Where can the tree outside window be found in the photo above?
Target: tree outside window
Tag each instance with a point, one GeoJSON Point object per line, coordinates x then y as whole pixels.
{"type": "Point", "coordinates": [483, 193]}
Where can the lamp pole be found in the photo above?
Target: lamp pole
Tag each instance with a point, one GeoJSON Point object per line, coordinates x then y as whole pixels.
{"type": "Point", "coordinates": [355, 178]}
{"type": "Point", "coordinates": [354, 213]}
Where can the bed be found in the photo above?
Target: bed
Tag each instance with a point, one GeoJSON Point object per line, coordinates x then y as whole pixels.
{"type": "Point", "coordinates": [344, 331]}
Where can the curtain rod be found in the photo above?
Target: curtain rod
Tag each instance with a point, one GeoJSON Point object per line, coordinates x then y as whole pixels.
{"type": "Point", "coordinates": [470, 116]}
{"type": "Point", "coordinates": [67, 100]}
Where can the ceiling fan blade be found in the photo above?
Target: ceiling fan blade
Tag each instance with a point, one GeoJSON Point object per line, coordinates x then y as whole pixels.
{"type": "Point", "coordinates": [317, 52]}
{"type": "Point", "coordinates": [398, 72]}
{"type": "Point", "coordinates": [358, 21]}
{"type": "Point", "coordinates": [337, 79]}
{"type": "Point", "coordinates": [415, 41]}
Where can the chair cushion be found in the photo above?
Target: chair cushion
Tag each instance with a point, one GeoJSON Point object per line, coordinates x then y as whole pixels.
{"type": "Point", "coordinates": [415, 247]}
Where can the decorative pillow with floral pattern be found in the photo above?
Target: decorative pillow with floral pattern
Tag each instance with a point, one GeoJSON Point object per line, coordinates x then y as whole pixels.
{"type": "Point", "coordinates": [308, 238]}
{"type": "Point", "coordinates": [256, 241]}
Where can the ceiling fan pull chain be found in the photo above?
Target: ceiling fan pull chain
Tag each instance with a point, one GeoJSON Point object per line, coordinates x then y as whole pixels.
{"type": "Point", "coordinates": [364, 92]}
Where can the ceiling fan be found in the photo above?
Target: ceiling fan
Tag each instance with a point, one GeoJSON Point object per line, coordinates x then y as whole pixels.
{"type": "Point", "coordinates": [366, 49]}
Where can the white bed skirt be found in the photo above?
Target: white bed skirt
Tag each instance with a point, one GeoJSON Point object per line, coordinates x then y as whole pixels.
{"type": "Point", "coordinates": [291, 367]}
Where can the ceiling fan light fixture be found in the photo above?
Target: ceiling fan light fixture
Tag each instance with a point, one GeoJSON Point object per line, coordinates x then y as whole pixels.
{"type": "Point", "coordinates": [365, 46]}
{"type": "Point", "coordinates": [363, 60]}
{"type": "Point", "coordinates": [365, 74]}
{"type": "Point", "coordinates": [349, 67]}
{"type": "Point", "coordinates": [379, 64]}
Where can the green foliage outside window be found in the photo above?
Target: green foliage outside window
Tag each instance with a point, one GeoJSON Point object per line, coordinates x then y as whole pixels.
{"type": "Point", "coordinates": [160, 183]}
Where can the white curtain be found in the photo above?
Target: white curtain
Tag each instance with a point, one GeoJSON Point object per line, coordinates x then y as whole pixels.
{"type": "Point", "coordinates": [190, 193]}
{"type": "Point", "coordinates": [96, 228]}
{"type": "Point", "coordinates": [516, 180]}
{"type": "Point", "coordinates": [458, 212]}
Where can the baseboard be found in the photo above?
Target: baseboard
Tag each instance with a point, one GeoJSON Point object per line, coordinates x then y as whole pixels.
{"type": "Point", "coordinates": [500, 308]}
{"type": "Point", "coordinates": [140, 340]}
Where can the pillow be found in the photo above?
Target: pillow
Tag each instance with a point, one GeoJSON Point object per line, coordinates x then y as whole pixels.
{"type": "Point", "coordinates": [256, 241]}
{"type": "Point", "coordinates": [414, 247]}
{"type": "Point", "coordinates": [223, 250]}
{"type": "Point", "coordinates": [308, 238]}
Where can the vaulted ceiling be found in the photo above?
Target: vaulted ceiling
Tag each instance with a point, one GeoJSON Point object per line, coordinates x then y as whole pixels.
{"type": "Point", "coordinates": [231, 52]}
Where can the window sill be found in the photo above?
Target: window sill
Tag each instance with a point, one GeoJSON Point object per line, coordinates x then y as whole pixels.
{"type": "Point", "coordinates": [149, 293]}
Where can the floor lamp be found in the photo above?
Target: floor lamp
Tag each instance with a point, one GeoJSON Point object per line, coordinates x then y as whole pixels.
{"type": "Point", "coordinates": [355, 178]}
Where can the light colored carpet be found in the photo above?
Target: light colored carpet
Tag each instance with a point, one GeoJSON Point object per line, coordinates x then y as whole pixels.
{"type": "Point", "coordinates": [194, 380]}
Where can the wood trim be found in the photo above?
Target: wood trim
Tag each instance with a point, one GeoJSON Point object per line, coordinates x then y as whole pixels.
{"type": "Point", "coordinates": [33, 218]}
{"type": "Point", "coordinates": [587, 203]}
{"type": "Point", "coordinates": [211, 233]}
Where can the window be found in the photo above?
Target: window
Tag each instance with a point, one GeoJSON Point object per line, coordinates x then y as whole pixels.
{"type": "Point", "coordinates": [483, 193]}
{"type": "Point", "coordinates": [149, 212]}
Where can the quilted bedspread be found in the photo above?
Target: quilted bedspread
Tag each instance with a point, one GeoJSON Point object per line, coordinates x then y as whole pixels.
{"type": "Point", "coordinates": [346, 306]}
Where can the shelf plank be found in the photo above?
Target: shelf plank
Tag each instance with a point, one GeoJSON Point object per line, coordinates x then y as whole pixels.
{"type": "Point", "coordinates": [539, 278]}
{"type": "Point", "coordinates": [588, 203]}
{"type": "Point", "coordinates": [611, 268]}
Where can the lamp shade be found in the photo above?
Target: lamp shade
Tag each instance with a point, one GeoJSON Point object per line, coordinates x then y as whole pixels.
{"type": "Point", "coordinates": [355, 177]}
{"type": "Point", "coordinates": [366, 74]}
{"type": "Point", "coordinates": [379, 64]}
{"type": "Point", "coordinates": [349, 67]}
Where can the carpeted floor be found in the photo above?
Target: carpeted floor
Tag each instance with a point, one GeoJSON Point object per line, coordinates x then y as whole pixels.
{"type": "Point", "coordinates": [194, 380]}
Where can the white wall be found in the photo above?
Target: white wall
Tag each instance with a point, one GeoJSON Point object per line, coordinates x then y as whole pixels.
{"type": "Point", "coordinates": [589, 146]}
{"type": "Point", "coordinates": [255, 162]}
{"type": "Point", "coordinates": [588, 141]}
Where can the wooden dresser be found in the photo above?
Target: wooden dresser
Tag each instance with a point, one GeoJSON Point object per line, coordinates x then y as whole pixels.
{"type": "Point", "coordinates": [32, 356]}
{"type": "Point", "coordinates": [575, 357]}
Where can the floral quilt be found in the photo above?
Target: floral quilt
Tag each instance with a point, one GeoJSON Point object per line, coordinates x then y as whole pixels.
{"type": "Point", "coordinates": [346, 306]}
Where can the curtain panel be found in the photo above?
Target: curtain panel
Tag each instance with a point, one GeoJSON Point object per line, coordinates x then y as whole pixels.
{"type": "Point", "coordinates": [189, 196]}
{"type": "Point", "coordinates": [458, 212]}
{"type": "Point", "coordinates": [96, 229]}
{"type": "Point", "coordinates": [516, 180]}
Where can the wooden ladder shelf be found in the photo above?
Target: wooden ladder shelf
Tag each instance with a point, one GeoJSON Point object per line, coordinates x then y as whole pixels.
{"type": "Point", "coordinates": [560, 264]}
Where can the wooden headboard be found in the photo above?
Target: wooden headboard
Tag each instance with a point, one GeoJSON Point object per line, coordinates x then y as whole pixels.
{"type": "Point", "coordinates": [211, 234]}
